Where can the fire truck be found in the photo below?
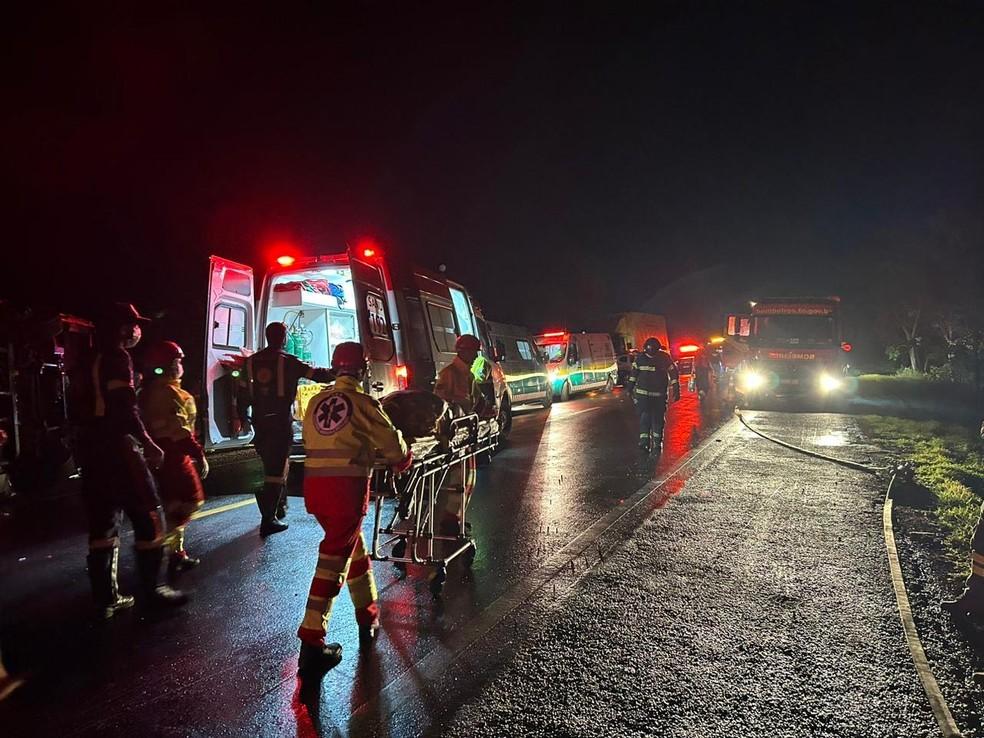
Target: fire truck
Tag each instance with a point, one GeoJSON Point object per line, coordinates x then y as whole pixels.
{"type": "Point", "coordinates": [36, 355]}
{"type": "Point", "coordinates": [406, 318]}
{"type": "Point", "coordinates": [791, 347]}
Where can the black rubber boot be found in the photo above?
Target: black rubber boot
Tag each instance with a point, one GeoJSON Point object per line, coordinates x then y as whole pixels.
{"type": "Point", "coordinates": [282, 504]}
{"type": "Point", "coordinates": [268, 500]}
{"type": "Point", "coordinates": [970, 601]}
{"type": "Point", "coordinates": [316, 661]}
{"type": "Point", "coordinates": [153, 594]}
{"type": "Point", "coordinates": [102, 564]}
{"type": "Point", "coordinates": [179, 562]}
{"type": "Point", "coordinates": [368, 632]}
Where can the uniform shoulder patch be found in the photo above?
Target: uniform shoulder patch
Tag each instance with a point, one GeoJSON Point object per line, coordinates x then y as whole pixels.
{"type": "Point", "coordinates": [332, 413]}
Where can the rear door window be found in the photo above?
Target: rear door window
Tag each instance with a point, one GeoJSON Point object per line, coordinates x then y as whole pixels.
{"type": "Point", "coordinates": [525, 350]}
{"type": "Point", "coordinates": [442, 327]}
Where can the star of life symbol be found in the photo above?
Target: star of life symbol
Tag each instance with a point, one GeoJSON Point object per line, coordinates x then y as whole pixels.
{"type": "Point", "coordinates": [332, 414]}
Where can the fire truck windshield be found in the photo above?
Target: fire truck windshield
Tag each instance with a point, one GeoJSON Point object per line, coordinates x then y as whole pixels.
{"type": "Point", "coordinates": [795, 330]}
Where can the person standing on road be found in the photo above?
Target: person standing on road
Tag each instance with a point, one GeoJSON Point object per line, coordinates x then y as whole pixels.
{"type": "Point", "coordinates": [971, 600]}
{"type": "Point", "coordinates": [457, 386]}
{"type": "Point", "coordinates": [268, 386]}
{"type": "Point", "coordinates": [652, 377]}
{"type": "Point", "coordinates": [169, 413]}
{"type": "Point", "coordinates": [115, 455]}
{"type": "Point", "coordinates": [344, 431]}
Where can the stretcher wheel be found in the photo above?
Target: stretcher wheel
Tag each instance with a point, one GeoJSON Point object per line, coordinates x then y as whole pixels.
{"type": "Point", "coordinates": [437, 580]}
{"type": "Point", "coordinates": [469, 555]}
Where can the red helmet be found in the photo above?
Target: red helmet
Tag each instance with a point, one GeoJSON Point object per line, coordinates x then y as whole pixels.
{"type": "Point", "coordinates": [348, 357]}
{"type": "Point", "coordinates": [161, 355]}
{"type": "Point", "coordinates": [467, 342]}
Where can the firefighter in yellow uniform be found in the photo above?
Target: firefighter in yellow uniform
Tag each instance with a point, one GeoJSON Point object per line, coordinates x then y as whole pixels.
{"type": "Point", "coordinates": [169, 413]}
{"type": "Point", "coordinates": [345, 430]}
{"type": "Point", "coordinates": [456, 385]}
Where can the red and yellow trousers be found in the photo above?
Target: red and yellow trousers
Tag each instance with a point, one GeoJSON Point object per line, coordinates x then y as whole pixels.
{"type": "Point", "coordinates": [339, 504]}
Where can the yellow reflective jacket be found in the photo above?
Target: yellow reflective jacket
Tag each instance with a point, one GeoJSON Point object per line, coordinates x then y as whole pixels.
{"type": "Point", "coordinates": [456, 385]}
{"type": "Point", "coordinates": [345, 430]}
{"type": "Point", "coordinates": [168, 411]}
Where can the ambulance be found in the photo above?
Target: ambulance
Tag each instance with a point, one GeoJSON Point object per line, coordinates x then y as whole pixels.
{"type": "Point", "coordinates": [407, 327]}
{"type": "Point", "coordinates": [578, 362]}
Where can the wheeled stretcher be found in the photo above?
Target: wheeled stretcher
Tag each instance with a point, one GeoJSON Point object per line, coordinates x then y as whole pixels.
{"type": "Point", "coordinates": [410, 531]}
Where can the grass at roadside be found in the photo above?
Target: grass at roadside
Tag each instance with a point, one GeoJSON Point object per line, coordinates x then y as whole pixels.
{"type": "Point", "coordinates": [949, 462]}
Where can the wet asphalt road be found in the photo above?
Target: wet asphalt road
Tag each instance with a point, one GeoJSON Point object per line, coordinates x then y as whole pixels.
{"type": "Point", "coordinates": [225, 665]}
{"type": "Point", "coordinates": [753, 600]}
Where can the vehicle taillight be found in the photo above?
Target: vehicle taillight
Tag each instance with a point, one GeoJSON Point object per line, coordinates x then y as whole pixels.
{"type": "Point", "coordinates": [402, 377]}
{"type": "Point", "coordinates": [688, 348]}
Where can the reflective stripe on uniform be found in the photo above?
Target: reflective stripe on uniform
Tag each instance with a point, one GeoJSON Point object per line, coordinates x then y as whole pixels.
{"type": "Point", "coordinates": [647, 393]}
{"type": "Point", "coordinates": [328, 453]}
{"type": "Point", "coordinates": [349, 470]}
{"type": "Point", "coordinates": [977, 564]}
{"type": "Point", "coordinates": [646, 368]}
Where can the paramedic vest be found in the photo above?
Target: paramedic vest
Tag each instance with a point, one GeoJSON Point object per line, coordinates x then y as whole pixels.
{"type": "Point", "coordinates": [345, 430]}
{"type": "Point", "coordinates": [653, 375]}
{"type": "Point", "coordinates": [270, 380]}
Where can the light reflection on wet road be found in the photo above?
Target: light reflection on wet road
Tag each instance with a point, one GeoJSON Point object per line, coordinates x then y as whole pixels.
{"type": "Point", "coordinates": [226, 665]}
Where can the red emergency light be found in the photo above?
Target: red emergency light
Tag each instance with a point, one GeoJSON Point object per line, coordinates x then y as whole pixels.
{"type": "Point", "coordinates": [402, 377]}
{"type": "Point", "coordinates": [286, 260]}
{"type": "Point", "coordinates": [688, 348]}
{"type": "Point", "coordinates": [555, 334]}
{"type": "Point", "coordinates": [846, 347]}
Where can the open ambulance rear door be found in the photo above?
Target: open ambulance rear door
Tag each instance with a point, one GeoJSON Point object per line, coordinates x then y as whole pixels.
{"type": "Point", "coordinates": [375, 323]}
{"type": "Point", "coordinates": [230, 336]}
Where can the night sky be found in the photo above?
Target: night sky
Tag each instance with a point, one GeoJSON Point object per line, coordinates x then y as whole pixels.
{"type": "Point", "coordinates": [564, 162]}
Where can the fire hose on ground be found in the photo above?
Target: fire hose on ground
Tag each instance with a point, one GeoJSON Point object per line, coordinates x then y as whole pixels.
{"type": "Point", "coordinates": [904, 473]}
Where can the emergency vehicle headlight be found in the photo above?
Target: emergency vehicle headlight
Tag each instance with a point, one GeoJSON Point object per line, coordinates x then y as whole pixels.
{"type": "Point", "coordinates": [830, 383]}
{"type": "Point", "coordinates": [552, 375]}
{"type": "Point", "coordinates": [751, 380]}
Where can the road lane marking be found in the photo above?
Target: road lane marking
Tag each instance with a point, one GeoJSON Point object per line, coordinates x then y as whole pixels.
{"type": "Point", "coordinates": [936, 700]}
{"type": "Point", "coordinates": [565, 416]}
{"type": "Point", "coordinates": [435, 663]}
{"type": "Point", "coordinates": [199, 514]}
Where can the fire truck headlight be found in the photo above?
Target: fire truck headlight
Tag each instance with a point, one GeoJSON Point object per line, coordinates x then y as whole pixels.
{"type": "Point", "coordinates": [751, 380]}
{"type": "Point", "coordinates": [830, 383]}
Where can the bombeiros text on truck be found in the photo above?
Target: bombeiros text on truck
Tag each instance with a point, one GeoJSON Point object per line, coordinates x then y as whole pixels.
{"type": "Point", "coordinates": [406, 318]}
{"type": "Point", "coordinates": [792, 347]}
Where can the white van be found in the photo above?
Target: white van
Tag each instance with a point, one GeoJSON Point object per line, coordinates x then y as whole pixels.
{"type": "Point", "coordinates": [578, 362]}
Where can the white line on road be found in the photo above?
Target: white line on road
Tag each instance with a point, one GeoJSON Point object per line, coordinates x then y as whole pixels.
{"type": "Point", "coordinates": [435, 663]}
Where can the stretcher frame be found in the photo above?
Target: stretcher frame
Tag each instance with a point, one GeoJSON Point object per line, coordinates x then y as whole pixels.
{"type": "Point", "coordinates": [416, 494]}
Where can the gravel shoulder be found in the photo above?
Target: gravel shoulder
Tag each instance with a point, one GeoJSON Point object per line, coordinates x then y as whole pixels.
{"type": "Point", "coordinates": [756, 603]}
